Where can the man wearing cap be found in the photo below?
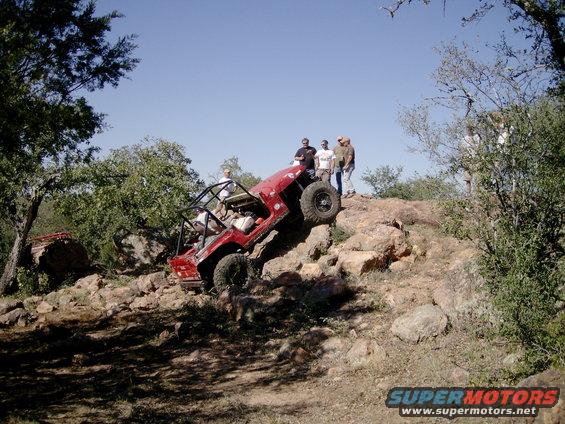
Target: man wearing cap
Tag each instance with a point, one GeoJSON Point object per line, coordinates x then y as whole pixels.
{"type": "Point", "coordinates": [339, 152]}
{"type": "Point", "coordinates": [305, 155]}
{"type": "Point", "coordinates": [324, 160]}
{"type": "Point", "coordinates": [348, 167]}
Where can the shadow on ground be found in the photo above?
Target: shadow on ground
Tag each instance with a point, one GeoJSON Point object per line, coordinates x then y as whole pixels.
{"type": "Point", "coordinates": [138, 368]}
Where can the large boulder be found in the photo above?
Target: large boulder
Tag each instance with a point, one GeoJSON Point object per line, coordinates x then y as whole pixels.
{"type": "Point", "coordinates": [326, 289]}
{"type": "Point", "coordinates": [409, 211]}
{"type": "Point", "coordinates": [311, 271]}
{"type": "Point", "coordinates": [278, 266]}
{"type": "Point", "coordinates": [460, 298]}
{"type": "Point", "coordinates": [58, 257]}
{"type": "Point", "coordinates": [359, 263]}
{"type": "Point", "coordinates": [548, 378]}
{"type": "Point", "coordinates": [385, 239]}
{"type": "Point", "coordinates": [419, 324]}
{"type": "Point", "coordinates": [316, 244]}
{"type": "Point", "coordinates": [12, 317]}
{"type": "Point", "coordinates": [9, 304]}
{"type": "Point", "coordinates": [90, 283]}
{"type": "Point", "coordinates": [144, 249]}
{"type": "Point", "coordinates": [361, 215]}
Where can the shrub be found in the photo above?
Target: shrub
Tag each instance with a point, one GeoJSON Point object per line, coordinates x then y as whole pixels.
{"type": "Point", "coordinates": [339, 234]}
{"type": "Point", "coordinates": [516, 216]}
{"type": "Point", "coordinates": [385, 182]}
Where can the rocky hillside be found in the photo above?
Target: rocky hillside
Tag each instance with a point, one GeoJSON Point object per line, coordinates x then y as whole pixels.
{"type": "Point", "coordinates": [340, 315]}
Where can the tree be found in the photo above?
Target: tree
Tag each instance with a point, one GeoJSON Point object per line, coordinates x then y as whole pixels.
{"type": "Point", "coordinates": [542, 21]}
{"type": "Point", "coordinates": [139, 186]}
{"type": "Point", "coordinates": [51, 52]}
{"type": "Point", "coordinates": [516, 213]}
{"type": "Point", "coordinates": [247, 179]}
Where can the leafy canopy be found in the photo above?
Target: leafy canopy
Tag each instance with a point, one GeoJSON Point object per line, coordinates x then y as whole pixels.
{"type": "Point", "coordinates": [247, 179]}
{"type": "Point", "coordinates": [139, 186]}
{"type": "Point", "coordinates": [50, 53]}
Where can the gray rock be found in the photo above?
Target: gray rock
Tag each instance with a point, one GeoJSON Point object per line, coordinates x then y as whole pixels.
{"type": "Point", "coordinates": [316, 244]}
{"type": "Point", "coordinates": [44, 307]}
{"type": "Point", "coordinates": [144, 249]}
{"type": "Point", "coordinates": [317, 334]}
{"type": "Point", "coordinates": [365, 352]}
{"type": "Point", "coordinates": [287, 263]}
{"type": "Point", "coordinates": [460, 297]}
{"type": "Point", "coordinates": [359, 263]}
{"type": "Point", "coordinates": [10, 304]}
{"type": "Point", "coordinates": [423, 322]}
{"type": "Point", "coordinates": [285, 351]}
{"type": "Point", "coordinates": [548, 378]}
{"type": "Point", "coordinates": [30, 303]}
{"type": "Point", "coordinates": [332, 347]}
{"type": "Point", "coordinates": [327, 288]}
{"type": "Point", "coordinates": [90, 283]}
{"type": "Point", "coordinates": [13, 316]}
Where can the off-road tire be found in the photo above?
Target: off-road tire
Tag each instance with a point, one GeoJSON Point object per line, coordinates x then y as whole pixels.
{"type": "Point", "coordinates": [232, 270]}
{"type": "Point", "coordinates": [320, 203]}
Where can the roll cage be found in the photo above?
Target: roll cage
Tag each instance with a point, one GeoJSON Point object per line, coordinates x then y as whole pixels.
{"type": "Point", "coordinates": [200, 204]}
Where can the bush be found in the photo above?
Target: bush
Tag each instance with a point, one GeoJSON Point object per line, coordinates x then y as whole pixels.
{"type": "Point", "coordinates": [385, 182]}
{"type": "Point", "coordinates": [339, 234]}
{"type": "Point", "coordinates": [140, 186]}
{"type": "Point", "coordinates": [516, 216]}
{"type": "Point", "coordinates": [31, 282]}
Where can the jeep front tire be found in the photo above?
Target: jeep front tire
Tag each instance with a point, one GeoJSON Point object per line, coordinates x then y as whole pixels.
{"type": "Point", "coordinates": [232, 270]}
{"type": "Point", "coordinates": [320, 203]}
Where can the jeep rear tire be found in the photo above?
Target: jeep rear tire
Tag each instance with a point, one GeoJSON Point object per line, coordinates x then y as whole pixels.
{"type": "Point", "coordinates": [320, 203]}
{"type": "Point", "coordinates": [232, 270]}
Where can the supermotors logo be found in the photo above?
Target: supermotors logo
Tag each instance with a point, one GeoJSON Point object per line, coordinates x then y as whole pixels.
{"type": "Point", "coordinates": [452, 402]}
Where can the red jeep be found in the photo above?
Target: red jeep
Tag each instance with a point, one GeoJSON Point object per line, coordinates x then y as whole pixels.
{"type": "Point", "coordinates": [214, 251]}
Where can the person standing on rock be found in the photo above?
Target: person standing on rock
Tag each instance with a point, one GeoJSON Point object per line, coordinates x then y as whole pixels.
{"type": "Point", "coordinates": [468, 147]}
{"type": "Point", "coordinates": [339, 153]}
{"type": "Point", "coordinates": [227, 189]}
{"type": "Point", "coordinates": [324, 159]}
{"type": "Point", "coordinates": [305, 155]}
{"type": "Point", "coordinates": [348, 167]}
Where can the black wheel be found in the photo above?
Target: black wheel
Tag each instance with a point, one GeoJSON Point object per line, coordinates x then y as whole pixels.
{"type": "Point", "coordinates": [232, 270]}
{"type": "Point", "coordinates": [320, 203]}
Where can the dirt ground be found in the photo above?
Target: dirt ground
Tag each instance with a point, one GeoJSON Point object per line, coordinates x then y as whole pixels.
{"type": "Point", "coordinates": [197, 365]}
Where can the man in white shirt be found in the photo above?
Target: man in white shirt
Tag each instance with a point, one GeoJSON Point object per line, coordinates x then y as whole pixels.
{"type": "Point", "coordinates": [468, 148]}
{"type": "Point", "coordinates": [324, 159]}
{"type": "Point", "coordinates": [227, 189]}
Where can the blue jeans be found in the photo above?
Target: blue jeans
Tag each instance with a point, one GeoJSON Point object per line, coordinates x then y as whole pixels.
{"type": "Point", "coordinates": [338, 179]}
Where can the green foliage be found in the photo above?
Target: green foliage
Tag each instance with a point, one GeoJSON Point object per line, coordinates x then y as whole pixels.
{"type": "Point", "coordinates": [339, 234]}
{"type": "Point", "coordinates": [50, 53]}
{"type": "Point", "coordinates": [6, 240]}
{"type": "Point", "coordinates": [247, 179]}
{"type": "Point", "coordinates": [385, 182]}
{"type": "Point", "coordinates": [31, 282]}
{"type": "Point", "coordinates": [134, 187]}
{"type": "Point", "coordinates": [516, 215]}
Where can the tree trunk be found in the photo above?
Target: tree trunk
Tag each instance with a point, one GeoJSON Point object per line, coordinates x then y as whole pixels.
{"type": "Point", "coordinates": [22, 228]}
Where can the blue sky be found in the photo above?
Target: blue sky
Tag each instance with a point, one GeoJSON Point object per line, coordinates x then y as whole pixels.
{"type": "Point", "coordinates": [251, 78]}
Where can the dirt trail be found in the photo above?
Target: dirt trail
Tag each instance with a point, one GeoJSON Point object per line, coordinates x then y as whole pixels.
{"type": "Point", "coordinates": [198, 365]}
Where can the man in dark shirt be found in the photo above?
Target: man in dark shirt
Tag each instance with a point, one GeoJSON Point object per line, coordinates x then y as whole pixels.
{"type": "Point", "coordinates": [305, 155]}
